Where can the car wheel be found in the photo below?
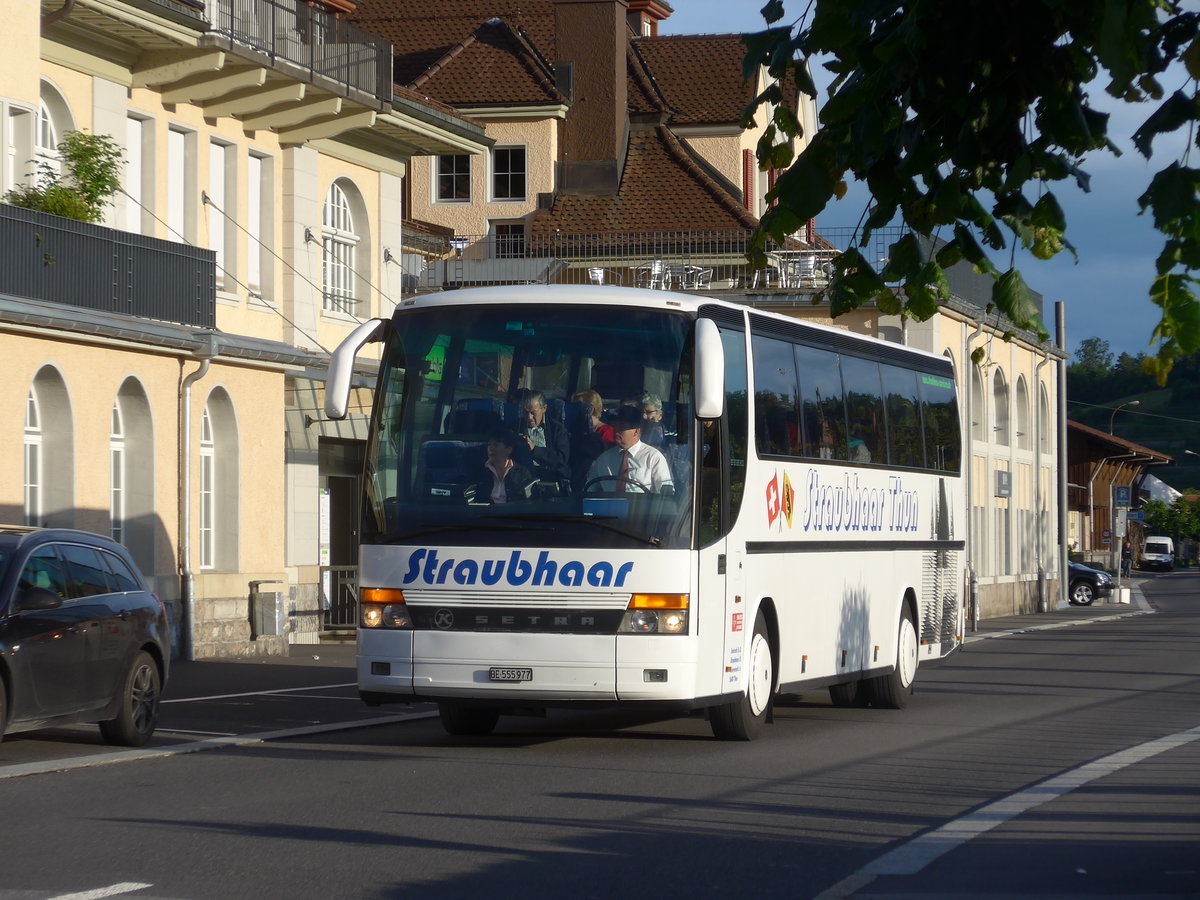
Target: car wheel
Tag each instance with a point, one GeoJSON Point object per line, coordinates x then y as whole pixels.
{"type": "Point", "coordinates": [743, 719]}
{"type": "Point", "coordinates": [137, 714]}
{"type": "Point", "coordinates": [467, 721]}
{"type": "Point", "coordinates": [1082, 594]}
{"type": "Point", "coordinates": [892, 691]}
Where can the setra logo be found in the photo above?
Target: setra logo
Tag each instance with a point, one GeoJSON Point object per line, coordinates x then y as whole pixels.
{"type": "Point", "coordinates": [443, 619]}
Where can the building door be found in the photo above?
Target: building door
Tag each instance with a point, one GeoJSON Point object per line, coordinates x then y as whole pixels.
{"type": "Point", "coordinates": [340, 469]}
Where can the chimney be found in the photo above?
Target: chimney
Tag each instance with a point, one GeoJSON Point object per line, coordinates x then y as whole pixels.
{"type": "Point", "coordinates": [590, 39]}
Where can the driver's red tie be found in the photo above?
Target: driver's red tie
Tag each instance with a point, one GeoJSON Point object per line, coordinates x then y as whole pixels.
{"type": "Point", "coordinates": [623, 472]}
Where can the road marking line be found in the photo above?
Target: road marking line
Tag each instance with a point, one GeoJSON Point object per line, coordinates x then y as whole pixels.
{"type": "Point", "coordinates": [1135, 592]}
{"type": "Point", "coordinates": [916, 853]}
{"type": "Point", "coordinates": [216, 743]}
{"type": "Point", "coordinates": [113, 890]}
{"type": "Point", "coordinates": [315, 687]}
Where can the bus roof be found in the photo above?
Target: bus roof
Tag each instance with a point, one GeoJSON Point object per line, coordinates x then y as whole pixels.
{"type": "Point", "coordinates": [614, 295]}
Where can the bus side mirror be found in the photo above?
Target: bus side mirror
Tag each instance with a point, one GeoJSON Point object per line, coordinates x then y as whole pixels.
{"type": "Point", "coordinates": [709, 358]}
{"type": "Point", "coordinates": [341, 367]}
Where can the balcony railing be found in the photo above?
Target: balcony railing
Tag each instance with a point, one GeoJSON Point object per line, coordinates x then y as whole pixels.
{"type": "Point", "coordinates": [669, 260]}
{"type": "Point", "coordinates": [309, 37]}
{"type": "Point", "coordinates": [45, 257]}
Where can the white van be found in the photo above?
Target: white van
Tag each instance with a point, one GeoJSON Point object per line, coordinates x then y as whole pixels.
{"type": "Point", "coordinates": [1158, 553]}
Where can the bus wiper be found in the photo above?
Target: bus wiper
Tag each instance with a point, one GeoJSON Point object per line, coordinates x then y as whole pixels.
{"type": "Point", "coordinates": [597, 521]}
{"type": "Point", "coordinates": [457, 526]}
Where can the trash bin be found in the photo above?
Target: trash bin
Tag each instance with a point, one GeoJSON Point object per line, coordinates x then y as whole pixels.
{"type": "Point", "coordinates": [266, 610]}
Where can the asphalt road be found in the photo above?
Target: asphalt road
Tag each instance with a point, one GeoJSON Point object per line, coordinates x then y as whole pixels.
{"type": "Point", "coordinates": [1049, 763]}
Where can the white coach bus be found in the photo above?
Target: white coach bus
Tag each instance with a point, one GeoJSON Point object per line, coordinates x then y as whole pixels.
{"type": "Point", "coordinates": [807, 532]}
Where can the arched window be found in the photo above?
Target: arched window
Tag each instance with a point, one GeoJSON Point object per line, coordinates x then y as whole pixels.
{"type": "Point", "coordinates": [116, 475]}
{"type": "Point", "coordinates": [1001, 429]}
{"type": "Point", "coordinates": [1024, 438]}
{"type": "Point", "coordinates": [54, 121]}
{"type": "Point", "coordinates": [219, 484]}
{"type": "Point", "coordinates": [49, 452]}
{"type": "Point", "coordinates": [1045, 438]}
{"type": "Point", "coordinates": [978, 410]}
{"type": "Point", "coordinates": [131, 446]}
{"type": "Point", "coordinates": [339, 247]}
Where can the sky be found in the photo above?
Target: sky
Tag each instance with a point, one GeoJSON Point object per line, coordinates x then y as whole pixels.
{"type": "Point", "coordinates": [1105, 292]}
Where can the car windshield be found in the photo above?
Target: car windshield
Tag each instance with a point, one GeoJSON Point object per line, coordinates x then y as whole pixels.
{"type": "Point", "coordinates": [461, 383]}
{"type": "Point", "coordinates": [5, 559]}
{"type": "Point", "coordinates": [1157, 548]}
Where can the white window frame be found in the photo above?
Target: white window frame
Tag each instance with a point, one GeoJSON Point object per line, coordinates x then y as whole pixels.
{"type": "Point", "coordinates": [494, 172]}
{"type": "Point", "coordinates": [208, 494]}
{"type": "Point", "coordinates": [260, 202]}
{"type": "Point", "coordinates": [222, 188]}
{"type": "Point", "coordinates": [117, 474]}
{"type": "Point", "coordinates": [501, 244]}
{"type": "Point", "coordinates": [181, 185]}
{"type": "Point", "coordinates": [33, 462]}
{"type": "Point", "coordinates": [339, 243]}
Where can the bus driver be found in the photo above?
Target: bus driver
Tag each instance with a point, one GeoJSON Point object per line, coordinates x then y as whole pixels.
{"type": "Point", "coordinates": [633, 465]}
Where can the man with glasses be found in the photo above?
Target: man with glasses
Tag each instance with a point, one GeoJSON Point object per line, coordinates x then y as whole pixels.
{"type": "Point", "coordinates": [545, 438]}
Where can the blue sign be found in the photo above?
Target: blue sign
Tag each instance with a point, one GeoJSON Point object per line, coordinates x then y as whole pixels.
{"type": "Point", "coordinates": [1121, 497]}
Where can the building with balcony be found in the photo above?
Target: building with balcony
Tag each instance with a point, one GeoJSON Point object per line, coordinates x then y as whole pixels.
{"type": "Point", "coordinates": [165, 366]}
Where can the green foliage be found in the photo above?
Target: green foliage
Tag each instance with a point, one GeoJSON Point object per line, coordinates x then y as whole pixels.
{"type": "Point", "coordinates": [960, 117]}
{"type": "Point", "coordinates": [1179, 520]}
{"type": "Point", "coordinates": [92, 177]}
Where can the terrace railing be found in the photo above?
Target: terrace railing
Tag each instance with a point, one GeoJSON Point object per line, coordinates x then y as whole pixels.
{"type": "Point", "coordinates": [676, 260]}
{"type": "Point", "coordinates": [59, 260]}
{"type": "Point", "coordinates": [307, 36]}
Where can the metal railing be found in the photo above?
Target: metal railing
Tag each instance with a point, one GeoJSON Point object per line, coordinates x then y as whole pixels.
{"type": "Point", "coordinates": [674, 260]}
{"type": "Point", "coordinates": [307, 36]}
{"type": "Point", "coordinates": [339, 585]}
{"type": "Point", "coordinates": [59, 260]}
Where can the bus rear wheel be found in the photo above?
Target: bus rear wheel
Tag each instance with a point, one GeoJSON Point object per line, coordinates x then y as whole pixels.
{"type": "Point", "coordinates": [892, 691]}
{"type": "Point", "coordinates": [743, 719]}
{"type": "Point", "coordinates": [851, 695]}
{"type": "Point", "coordinates": [467, 721]}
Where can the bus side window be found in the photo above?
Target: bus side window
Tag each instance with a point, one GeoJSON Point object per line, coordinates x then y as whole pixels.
{"type": "Point", "coordinates": [906, 441]}
{"type": "Point", "coordinates": [822, 414]}
{"type": "Point", "coordinates": [864, 410]}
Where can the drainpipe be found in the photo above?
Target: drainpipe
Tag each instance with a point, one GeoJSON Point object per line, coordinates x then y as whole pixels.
{"type": "Point", "coordinates": [969, 378]}
{"type": "Point", "coordinates": [1060, 327]}
{"type": "Point", "coordinates": [1043, 599]}
{"type": "Point", "coordinates": [187, 579]}
{"type": "Point", "coordinates": [61, 13]}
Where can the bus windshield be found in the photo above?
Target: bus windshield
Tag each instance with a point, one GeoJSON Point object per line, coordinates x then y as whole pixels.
{"type": "Point", "coordinates": [461, 383]}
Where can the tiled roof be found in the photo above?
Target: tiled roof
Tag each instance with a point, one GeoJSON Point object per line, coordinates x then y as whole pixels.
{"type": "Point", "coordinates": [700, 75]}
{"type": "Point", "coordinates": [663, 188]}
{"type": "Point", "coordinates": [423, 32]}
{"type": "Point", "coordinates": [495, 66]}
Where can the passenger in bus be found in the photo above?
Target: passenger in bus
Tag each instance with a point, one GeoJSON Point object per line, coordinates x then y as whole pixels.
{"type": "Point", "coordinates": [505, 481]}
{"type": "Point", "coordinates": [545, 438]}
{"type": "Point", "coordinates": [652, 416]}
{"type": "Point", "coordinates": [596, 404]}
{"type": "Point", "coordinates": [859, 452]}
{"type": "Point", "coordinates": [632, 465]}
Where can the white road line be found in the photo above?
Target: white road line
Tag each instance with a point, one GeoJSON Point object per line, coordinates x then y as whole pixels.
{"type": "Point", "coordinates": [315, 687]}
{"type": "Point", "coordinates": [217, 743]}
{"type": "Point", "coordinates": [915, 854]}
{"type": "Point", "coordinates": [113, 890]}
{"type": "Point", "coordinates": [1135, 593]}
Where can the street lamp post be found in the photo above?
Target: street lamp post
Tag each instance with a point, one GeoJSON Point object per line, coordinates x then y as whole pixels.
{"type": "Point", "coordinates": [1114, 412]}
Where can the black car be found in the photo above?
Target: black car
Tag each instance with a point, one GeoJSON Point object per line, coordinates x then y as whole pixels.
{"type": "Point", "coordinates": [81, 637]}
{"type": "Point", "coordinates": [1085, 584]}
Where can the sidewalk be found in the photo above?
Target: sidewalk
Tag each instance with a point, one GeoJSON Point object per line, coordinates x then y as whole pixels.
{"type": "Point", "coordinates": [1063, 616]}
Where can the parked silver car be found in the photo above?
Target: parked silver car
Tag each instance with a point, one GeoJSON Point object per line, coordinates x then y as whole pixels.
{"type": "Point", "coordinates": [81, 637]}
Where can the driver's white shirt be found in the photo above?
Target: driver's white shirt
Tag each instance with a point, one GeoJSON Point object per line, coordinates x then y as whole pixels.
{"type": "Point", "coordinates": [647, 466]}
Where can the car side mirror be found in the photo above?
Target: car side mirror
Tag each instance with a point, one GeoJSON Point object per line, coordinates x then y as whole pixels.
{"type": "Point", "coordinates": [38, 598]}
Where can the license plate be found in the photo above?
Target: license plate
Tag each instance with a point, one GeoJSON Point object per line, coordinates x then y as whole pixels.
{"type": "Point", "coordinates": [501, 673]}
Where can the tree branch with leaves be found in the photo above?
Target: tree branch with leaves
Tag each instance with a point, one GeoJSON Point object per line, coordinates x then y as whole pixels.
{"type": "Point", "coordinates": [960, 118]}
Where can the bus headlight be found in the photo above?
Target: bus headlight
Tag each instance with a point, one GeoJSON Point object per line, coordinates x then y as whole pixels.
{"type": "Point", "coordinates": [383, 608]}
{"type": "Point", "coordinates": [656, 614]}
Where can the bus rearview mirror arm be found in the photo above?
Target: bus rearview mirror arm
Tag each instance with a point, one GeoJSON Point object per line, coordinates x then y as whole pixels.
{"type": "Point", "coordinates": [341, 367]}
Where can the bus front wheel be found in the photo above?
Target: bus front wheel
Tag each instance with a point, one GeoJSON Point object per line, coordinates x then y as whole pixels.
{"type": "Point", "coordinates": [743, 719]}
{"type": "Point", "coordinates": [893, 690]}
{"type": "Point", "coordinates": [467, 721]}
